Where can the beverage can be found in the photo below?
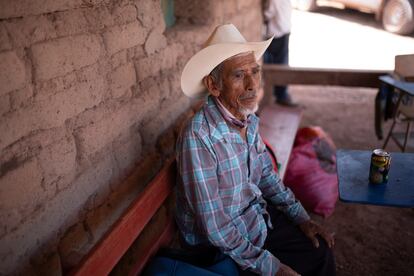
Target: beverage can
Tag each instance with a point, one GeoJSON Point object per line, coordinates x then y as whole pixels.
{"type": "Point", "coordinates": [380, 165]}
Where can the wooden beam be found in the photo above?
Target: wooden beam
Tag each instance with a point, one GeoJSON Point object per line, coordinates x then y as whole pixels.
{"type": "Point", "coordinates": [285, 75]}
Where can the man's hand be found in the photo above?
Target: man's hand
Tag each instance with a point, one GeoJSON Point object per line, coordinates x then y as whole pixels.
{"type": "Point", "coordinates": [285, 270]}
{"type": "Point", "coordinates": [311, 229]}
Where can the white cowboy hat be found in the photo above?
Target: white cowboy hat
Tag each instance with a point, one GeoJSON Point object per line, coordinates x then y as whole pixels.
{"type": "Point", "coordinates": [225, 41]}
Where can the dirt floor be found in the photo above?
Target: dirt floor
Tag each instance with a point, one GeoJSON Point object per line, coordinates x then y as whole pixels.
{"type": "Point", "coordinates": [370, 240]}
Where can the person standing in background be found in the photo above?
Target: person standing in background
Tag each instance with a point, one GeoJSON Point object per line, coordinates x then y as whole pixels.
{"type": "Point", "coordinates": [277, 18]}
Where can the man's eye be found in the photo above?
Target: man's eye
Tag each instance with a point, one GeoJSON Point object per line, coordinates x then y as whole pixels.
{"type": "Point", "coordinates": [238, 75]}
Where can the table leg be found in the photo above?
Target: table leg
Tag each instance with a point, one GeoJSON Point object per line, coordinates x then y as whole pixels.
{"type": "Point", "coordinates": [407, 135]}
{"type": "Point", "coordinates": [394, 120]}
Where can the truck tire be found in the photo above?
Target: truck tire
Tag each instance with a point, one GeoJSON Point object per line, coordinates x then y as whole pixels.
{"type": "Point", "coordinates": [398, 16]}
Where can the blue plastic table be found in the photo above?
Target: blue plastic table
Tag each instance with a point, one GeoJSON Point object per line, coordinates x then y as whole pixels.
{"type": "Point", "coordinates": [404, 86]}
{"type": "Point", "coordinates": [354, 186]}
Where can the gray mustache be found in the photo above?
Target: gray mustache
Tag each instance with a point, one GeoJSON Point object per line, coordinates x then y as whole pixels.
{"type": "Point", "coordinates": [249, 95]}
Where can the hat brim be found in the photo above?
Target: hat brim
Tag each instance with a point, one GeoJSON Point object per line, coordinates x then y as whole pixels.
{"type": "Point", "coordinates": [203, 62]}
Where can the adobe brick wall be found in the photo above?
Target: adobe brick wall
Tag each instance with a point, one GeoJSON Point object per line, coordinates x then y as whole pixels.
{"type": "Point", "coordinates": [90, 106]}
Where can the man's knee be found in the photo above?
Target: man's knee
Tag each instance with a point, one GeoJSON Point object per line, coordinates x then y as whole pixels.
{"type": "Point", "coordinates": [326, 258]}
{"type": "Point", "coordinates": [323, 249]}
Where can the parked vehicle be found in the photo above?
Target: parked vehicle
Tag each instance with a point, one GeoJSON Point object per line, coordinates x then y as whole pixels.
{"type": "Point", "coordinates": [396, 16]}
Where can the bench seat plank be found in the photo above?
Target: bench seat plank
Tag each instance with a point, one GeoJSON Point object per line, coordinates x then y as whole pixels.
{"type": "Point", "coordinates": [105, 255]}
{"type": "Point", "coordinates": [278, 126]}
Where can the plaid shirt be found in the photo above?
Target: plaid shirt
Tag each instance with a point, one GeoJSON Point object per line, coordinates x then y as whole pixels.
{"type": "Point", "coordinates": [222, 183]}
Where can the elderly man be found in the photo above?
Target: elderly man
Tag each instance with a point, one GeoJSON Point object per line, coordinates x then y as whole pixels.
{"type": "Point", "coordinates": [229, 197]}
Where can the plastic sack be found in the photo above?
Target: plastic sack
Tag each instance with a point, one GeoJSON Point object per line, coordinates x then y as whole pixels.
{"type": "Point", "coordinates": [311, 173]}
{"type": "Point", "coordinates": [271, 151]}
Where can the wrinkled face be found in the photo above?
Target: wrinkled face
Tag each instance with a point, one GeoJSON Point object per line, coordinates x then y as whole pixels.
{"type": "Point", "coordinates": [241, 77]}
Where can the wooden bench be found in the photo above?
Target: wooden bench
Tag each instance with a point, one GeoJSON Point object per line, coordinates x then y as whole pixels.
{"type": "Point", "coordinates": [108, 251]}
{"type": "Point", "coordinates": [278, 126]}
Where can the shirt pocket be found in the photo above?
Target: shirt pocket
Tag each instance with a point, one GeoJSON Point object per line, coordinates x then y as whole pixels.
{"type": "Point", "coordinates": [232, 172]}
{"type": "Point", "coordinates": [256, 164]}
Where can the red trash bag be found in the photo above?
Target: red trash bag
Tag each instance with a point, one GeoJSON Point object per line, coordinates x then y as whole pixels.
{"type": "Point", "coordinates": [311, 173]}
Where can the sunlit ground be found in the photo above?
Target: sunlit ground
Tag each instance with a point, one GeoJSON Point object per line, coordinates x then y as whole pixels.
{"type": "Point", "coordinates": [349, 39]}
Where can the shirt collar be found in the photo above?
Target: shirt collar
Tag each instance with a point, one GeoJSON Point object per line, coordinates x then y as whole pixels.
{"type": "Point", "coordinates": [230, 117]}
{"type": "Point", "coordinates": [219, 129]}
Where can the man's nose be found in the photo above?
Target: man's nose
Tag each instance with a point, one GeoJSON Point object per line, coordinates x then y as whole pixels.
{"type": "Point", "coordinates": [250, 82]}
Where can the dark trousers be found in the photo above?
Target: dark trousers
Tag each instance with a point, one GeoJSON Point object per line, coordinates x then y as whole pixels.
{"type": "Point", "coordinates": [285, 241]}
{"type": "Point", "coordinates": [288, 243]}
{"type": "Point", "coordinates": [278, 53]}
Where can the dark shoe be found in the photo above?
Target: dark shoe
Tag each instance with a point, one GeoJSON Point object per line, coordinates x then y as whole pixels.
{"type": "Point", "coordinates": [287, 102]}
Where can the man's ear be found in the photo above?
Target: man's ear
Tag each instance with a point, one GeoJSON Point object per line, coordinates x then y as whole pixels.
{"type": "Point", "coordinates": [211, 86]}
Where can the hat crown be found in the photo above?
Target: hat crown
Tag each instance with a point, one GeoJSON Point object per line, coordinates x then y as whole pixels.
{"type": "Point", "coordinates": [227, 33]}
{"type": "Point", "coordinates": [224, 42]}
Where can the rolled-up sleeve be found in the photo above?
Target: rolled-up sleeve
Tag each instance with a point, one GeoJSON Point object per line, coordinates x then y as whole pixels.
{"type": "Point", "coordinates": [198, 169]}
